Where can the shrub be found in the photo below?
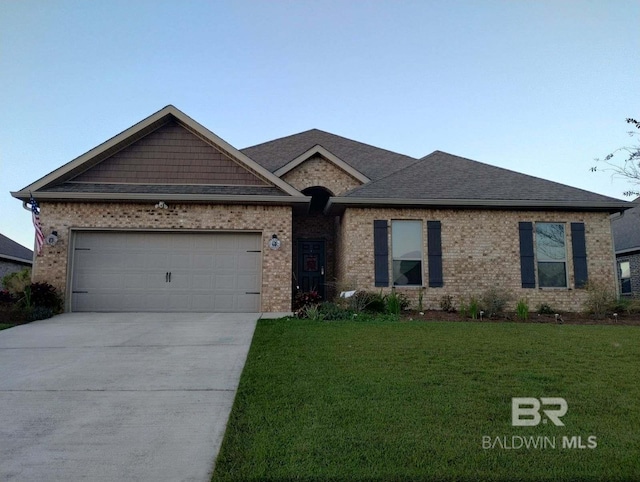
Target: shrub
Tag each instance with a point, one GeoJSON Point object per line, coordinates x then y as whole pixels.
{"type": "Point", "coordinates": [600, 299]}
{"type": "Point", "coordinates": [446, 304]}
{"type": "Point", "coordinates": [36, 313]}
{"type": "Point", "coordinates": [6, 297]}
{"type": "Point", "coordinates": [474, 307]}
{"type": "Point", "coordinates": [377, 303]}
{"type": "Point", "coordinates": [494, 300]}
{"type": "Point", "coordinates": [17, 282]}
{"type": "Point", "coordinates": [420, 299]}
{"type": "Point", "coordinates": [331, 312]}
{"type": "Point", "coordinates": [311, 312]}
{"type": "Point", "coordinates": [303, 299]}
{"type": "Point", "coordinates": [360, 301]}
{"type": "Point", "coordinates": [394, 305]}
{"type": "Point", "coordinates": [522, 309]}
{"type": "Point", "coordinates": [45, 295]}
{"type": "Point", "coordinates": [545, 309]}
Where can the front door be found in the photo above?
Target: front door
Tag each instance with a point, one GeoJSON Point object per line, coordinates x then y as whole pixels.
{"type": "Point", "coordinates": [311, 266]}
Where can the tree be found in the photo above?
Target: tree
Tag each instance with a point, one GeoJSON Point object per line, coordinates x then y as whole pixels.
{"type": "Point", "coordinates": [625, 161]}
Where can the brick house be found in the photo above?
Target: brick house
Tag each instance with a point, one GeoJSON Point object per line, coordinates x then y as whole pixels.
{"type": "Point", "coordinates": [13, 257]}
{"type": "Point", "coordinates": [168, 216]}
{"type": "Point", "coordinates": [626, 236]}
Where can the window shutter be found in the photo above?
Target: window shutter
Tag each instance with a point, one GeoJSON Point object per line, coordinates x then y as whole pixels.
{"type": "Point", "coordinates": [579, 249]}
{"type": "Point", "coordinates": [434, 245]}
{"type": "Point", "coordinates": [527, 262]}
{"type": "Point", "coordinates": [381, 252]}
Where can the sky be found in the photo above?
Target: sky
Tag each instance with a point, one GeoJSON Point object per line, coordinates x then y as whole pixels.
{"type": "Point", "coordinates": [541, 87]}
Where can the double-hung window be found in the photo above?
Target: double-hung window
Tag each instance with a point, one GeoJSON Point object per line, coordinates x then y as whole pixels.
{"type": "Point", "coordinates": [624, 270]}
{"type": "Point", "coordinates": [406, 248]}
{"type": "Point", "coordinates": [551, 255]}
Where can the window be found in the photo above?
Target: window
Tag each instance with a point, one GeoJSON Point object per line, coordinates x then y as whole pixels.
{"type": "Point", "coordinates": [406, 248]}
{"type": "Point", "coordinates": [551, 255]}
{"type": "Point", "coordinates": [624, 270]}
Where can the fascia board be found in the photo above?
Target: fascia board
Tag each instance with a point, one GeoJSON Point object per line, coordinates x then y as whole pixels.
{"type": "Point", "coordinates": [318, 149]}
{"type": "Point", "coordinates": [340, 202]}
{"type": "Point", "coordinates": [14, 258]}
{"type": "Point", "coordinates": [229, 198]}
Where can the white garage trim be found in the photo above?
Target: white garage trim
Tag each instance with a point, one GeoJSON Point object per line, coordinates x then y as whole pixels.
{"type": "Point", "coordinates": [181, 271]}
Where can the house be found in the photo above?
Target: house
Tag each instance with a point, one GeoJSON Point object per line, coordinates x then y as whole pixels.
{"type": "Point", "coordinates": [13, 257]}
{"type": "Point", "coordinates": [167, 216]}
{"type": "Point", "coordinates": [626, 236]}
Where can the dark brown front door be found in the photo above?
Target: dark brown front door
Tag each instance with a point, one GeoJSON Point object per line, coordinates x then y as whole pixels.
{"type": "Point", "coordinates": [311, 267]}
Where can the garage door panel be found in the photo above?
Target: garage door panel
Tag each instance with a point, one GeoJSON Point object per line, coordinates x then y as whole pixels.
{"type": "Point", "coordinates": [127, 271]}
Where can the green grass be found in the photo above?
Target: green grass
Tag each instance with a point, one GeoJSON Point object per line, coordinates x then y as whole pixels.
{"type": "Point", "coordinates": [412, 401]}
{"type": "Point", "coordinates": [4, 326]}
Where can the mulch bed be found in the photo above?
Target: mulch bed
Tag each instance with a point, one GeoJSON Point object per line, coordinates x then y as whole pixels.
{"type": "Point", "coordinates": [623, 319]}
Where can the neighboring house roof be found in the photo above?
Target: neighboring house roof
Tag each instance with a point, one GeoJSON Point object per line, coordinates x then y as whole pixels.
{"type": "Point", "coordinates": [626, 230]}
{"type": "Point", "coordinates": [13, 251]}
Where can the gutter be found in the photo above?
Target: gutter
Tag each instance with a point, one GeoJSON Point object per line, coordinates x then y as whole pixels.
{"type": "Point", "coordinates": [154, 197]}
{"type": "Point", "coordinates": [339, 204]}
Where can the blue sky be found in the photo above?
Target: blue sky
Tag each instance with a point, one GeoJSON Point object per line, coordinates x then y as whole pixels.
{"type": "Point", "coordinates": [540, 87]}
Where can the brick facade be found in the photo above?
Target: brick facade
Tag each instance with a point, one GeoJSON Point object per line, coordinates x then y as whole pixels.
{"type": "Point", "coordinates": [317, 171]}
{"type": "Point", "coordinates": [52, 266]}
{"type": "Point", "coordinates": [480, 250]}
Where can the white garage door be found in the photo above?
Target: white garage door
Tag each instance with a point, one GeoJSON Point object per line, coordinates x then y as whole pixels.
{"type": "Point", "coordinates": [142, 271]}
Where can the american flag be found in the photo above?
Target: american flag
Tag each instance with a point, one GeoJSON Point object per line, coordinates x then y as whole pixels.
{"type": "Point", "coordinates": [35, 217]}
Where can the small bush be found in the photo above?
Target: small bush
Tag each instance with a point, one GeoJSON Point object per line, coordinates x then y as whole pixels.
{"type": "Point", "coordinates": [44, 295]}
{"type": "Point", "coordinates": [6, 297]}
{"type": "Point", "coordinates": [474, 307]}
{"type": "Point", "coordinates": [17, 282]}
{"type": "Point", "coordinates": [312, 312]}
{"type": "Point", "coordinates": [545, 309]}
{"type": "Point", "coordinates": [303, 299]}
{"type": "Point", "coordinates": [38, 313]}
{"type": "Point", "coordinates": [446, 304]}
{"type": "Point", "coordinates": [600, 299]}
{"type": "Point", "coordinates": [360, 301]}
{"type": "Point", "coordinates": [331, 312]}
{"type": "Point", "coordinates": [377, 303]}
{"type": "Point", "coordinates": [522, 309]}
{"type": "Point", "coordinates": [393, 303]}
{"type": "Point", "coordinates": [494, 300]}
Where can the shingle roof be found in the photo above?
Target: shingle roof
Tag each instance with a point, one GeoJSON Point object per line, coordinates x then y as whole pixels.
{"type": "Point", "coordinates": [444, 176]}
{"type": "Point", "coordinates": [371, 161]}
{"type": "Point", "coordinates": [626, 229]}
{"type": "Point", "coordinates": [12, 250]}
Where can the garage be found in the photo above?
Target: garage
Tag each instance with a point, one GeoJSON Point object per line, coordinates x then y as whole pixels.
{"type": "Point", "coordinates": [166, 271]}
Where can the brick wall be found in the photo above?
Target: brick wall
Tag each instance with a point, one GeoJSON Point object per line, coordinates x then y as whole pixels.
{"type": "Point", "coordinates": [480, 250]}
{"type": "Point", "coordinates": [317, 171]}
{"type": "Point", "coordinates": [52, 265]}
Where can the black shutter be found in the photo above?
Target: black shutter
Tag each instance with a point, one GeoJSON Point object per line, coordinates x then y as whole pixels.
{"type": "Point", "coordinates": [434, 246]}
{"type": "Point", "coordinates": [579, 249]}
{"type": "Point", "coordinates": [527, 262]}
{"type": "Point", "coordinates": [381, 252]}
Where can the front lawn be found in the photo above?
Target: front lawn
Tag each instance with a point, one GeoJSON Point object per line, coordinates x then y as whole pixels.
{"type": "Point", "coordinates": [417, 401]}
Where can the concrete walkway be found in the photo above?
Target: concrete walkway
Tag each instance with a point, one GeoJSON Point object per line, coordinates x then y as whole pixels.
{"type": "Point", "coordinates": [113, 396]}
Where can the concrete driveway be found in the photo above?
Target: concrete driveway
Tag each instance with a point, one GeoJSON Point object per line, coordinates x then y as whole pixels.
{"type": "Point", "coordinates": [113, 396]}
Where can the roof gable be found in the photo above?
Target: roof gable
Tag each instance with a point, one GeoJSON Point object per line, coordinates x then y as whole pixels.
{"type": "Point", "coordinates": [170, 155]}
{"type": "Point", "coordinates": [324, 153]}
{"type": "Point", "coordinates": [626, 229]}
{"type": "Point", "coordinates": [371, 162]}
{"type": "Point", "coordinates": [125, 142]}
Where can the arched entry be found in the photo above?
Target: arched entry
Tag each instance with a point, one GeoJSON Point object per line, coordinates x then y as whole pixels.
{"type": "Point", "coordinates": [314, 254]}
